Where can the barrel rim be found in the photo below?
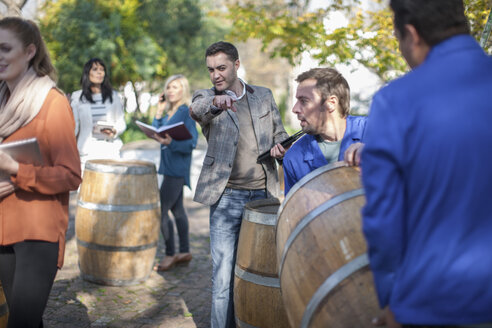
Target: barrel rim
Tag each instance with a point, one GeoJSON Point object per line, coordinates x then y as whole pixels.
{"type": "Point", "coordinates": [308, 218]}
{"type": "Point", "coordinates": [305, 179]}
{"type": "Point", "coordinates": [114, 248]}
{"type": "Point", "coordinates": [254, 215]}
{"type": "Point", "coordinates": [265, 201]}
{"type": "Point", "coordinates": [273, 282]}
{"type": "Point", "coordinates": [134, 167]}
{"type": "Point", "coordinates": [117, 208]}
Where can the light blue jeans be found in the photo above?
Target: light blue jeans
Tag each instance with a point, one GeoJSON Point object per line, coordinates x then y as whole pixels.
{"type": "Point", "coordinates": [225, 223]}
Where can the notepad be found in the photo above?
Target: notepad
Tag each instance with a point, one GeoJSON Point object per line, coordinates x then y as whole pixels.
{"type": "Point", "coordinates": [177, 131]}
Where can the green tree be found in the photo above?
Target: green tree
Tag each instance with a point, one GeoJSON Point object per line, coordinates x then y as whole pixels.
{"type": "Point", "coordinates": [183, 29]}
{"type": "Point", "coordinates": [287, 30]}
{"type": "Point", "coordinates": [76, 30]}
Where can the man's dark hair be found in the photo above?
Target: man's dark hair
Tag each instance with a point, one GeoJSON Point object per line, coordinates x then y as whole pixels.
{"type": "Point", "coordinates": [225, 47]}
{"type": "Point", "coordinates": [329, 82]}
{"type": "Point", "coordinates": [434, 20]}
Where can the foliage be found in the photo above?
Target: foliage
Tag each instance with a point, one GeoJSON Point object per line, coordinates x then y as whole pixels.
{"type": "Point", "coordinates": [133, 132]}
{"type": "Point", "coordinates": [77, 30]}
{"type": "Point", "coordinates": [140, 40]}
{"type": "Point", "coordinates": [184, 31]}
{"type": "Point", "coordinates": [143, 40]}
{"type": "Point", "coordinates": [287, 30]}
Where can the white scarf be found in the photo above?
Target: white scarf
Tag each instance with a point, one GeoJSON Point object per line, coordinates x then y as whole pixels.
{"type": "Point", "coordinates": [24, 102]}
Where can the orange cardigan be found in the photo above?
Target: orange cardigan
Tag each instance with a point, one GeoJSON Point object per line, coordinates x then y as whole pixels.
{"type": "Point", "coordinates": [38, 209]}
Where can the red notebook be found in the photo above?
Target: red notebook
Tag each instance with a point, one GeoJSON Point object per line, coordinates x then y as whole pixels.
{"type": "Point", "coordinates": [177, 131]}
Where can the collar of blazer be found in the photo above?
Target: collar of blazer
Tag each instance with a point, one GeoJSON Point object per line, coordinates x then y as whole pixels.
{"type": "Point", "coordinates": [252, 103]}
{"type": "Point", "coordinates": [248, 89]}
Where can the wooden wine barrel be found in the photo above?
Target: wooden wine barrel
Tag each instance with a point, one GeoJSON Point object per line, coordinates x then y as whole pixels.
{"type": "Point", "coordinates": [257, 299]}
{"type": "Point", "coordinates": [323, 267]}
{"type": "Point", "coordinates": [117, 221]}
{"type": "Point", "coordinates": [4, 310]}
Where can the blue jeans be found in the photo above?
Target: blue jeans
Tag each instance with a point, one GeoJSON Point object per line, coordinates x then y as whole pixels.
{"type": "Point", "coordinates": [225, 223]}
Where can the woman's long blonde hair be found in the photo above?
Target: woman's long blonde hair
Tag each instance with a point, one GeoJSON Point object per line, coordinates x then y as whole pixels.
{"type": "Point", "coordinates": [186, 98]}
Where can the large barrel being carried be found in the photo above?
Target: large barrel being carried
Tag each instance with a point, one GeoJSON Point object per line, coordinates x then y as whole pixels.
{"type": "Point", "coordinates": [323, 267]}
{"type": "Point", "coordinates": [4, 309]}
{"type": "Point", "coordinates": [117, 221]}
{"type": "Point", "coordinates": [257, 299]}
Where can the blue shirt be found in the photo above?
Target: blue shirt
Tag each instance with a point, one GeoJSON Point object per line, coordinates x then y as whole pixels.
{"type": "Point", "coordinates": [305, 155]}
{"type": "Point", "coordinates": [176, 157]}
{"type": "Point", "coordinates": [426, 169]}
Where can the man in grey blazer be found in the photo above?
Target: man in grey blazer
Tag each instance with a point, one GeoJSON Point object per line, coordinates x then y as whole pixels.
{"type": "Point", "coordinates": [240, 122]}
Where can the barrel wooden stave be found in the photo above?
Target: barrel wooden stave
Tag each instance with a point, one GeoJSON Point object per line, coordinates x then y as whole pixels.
{"type": "Point", "coordinates": [323, 246]}
{"type": "Point", "coordinates": [117, 229]}
{"type": "Point", "coordinates": [341, 301]}
{"type": "Point", "coordinates": [116, 268]}
{"type": "Point", "coordinates": [310, 192]}
{"type": "Point", "coordinates": [127, 192]}
{"type": "Point", "coordinates": [258, 306]}
{"type": "Point", "coordinates": [328, 236]}
{"type": "Point", "coordinates": [117, 222]}
{"type": "Point", "coordinates": [260, 260]}
{"type": "Point", "coordinates": [257, 298]}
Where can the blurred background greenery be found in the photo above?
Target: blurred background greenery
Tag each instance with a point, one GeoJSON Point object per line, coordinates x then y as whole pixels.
{"type": "Point", "coordinates": [145, 41]}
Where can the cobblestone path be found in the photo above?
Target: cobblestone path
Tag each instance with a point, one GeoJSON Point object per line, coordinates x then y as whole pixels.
{"type": "Point", "coordinates": [177, 298]}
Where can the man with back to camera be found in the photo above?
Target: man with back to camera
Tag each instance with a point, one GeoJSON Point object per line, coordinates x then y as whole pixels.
{"type": "Point", "coordinates": [239, 121]}
{"type": "Point", "coordinates": [427, 176]}
{"type": "Point", "coordinates": [322, 107]}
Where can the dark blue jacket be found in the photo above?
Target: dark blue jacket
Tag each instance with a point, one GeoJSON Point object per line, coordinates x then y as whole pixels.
{"type": "Point", "coordinates": [176, 157]}
{"type": "Point", "coordinates": [305, 155]}
{"type": "Point", "coordinates": [426, 169]}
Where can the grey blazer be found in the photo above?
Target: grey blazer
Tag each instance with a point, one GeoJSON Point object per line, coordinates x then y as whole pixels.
{"type": "Point", "coordinates": [222, 133]}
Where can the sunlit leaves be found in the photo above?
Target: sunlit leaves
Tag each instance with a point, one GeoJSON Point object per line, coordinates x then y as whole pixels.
{"type": "Point", "coordinates": [287, 30]}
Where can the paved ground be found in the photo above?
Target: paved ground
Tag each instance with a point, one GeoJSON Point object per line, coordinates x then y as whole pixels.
{"type": "Point", "coordinates": [177, 298]}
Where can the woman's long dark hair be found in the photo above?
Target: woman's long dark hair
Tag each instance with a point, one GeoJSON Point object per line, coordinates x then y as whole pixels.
{"type": "Point", "coordinates": [106, 88]}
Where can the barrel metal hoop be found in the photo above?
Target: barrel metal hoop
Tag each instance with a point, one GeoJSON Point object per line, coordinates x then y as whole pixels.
{"type": "Point", "coordinates": [305, 179]}
{"type": "Point", "coordinates": [117, 208]}
{"type": "Point", "coordinates": [260, 218]}
{"type": "Point", "coordinates": [312, 215]}
{"type": "Point", "coordinates": [107, 248]}
{"type": "Point", "coordinates": [330, 283]}
{"type": "Point", "coordinates": [257, 279]}
{"type": "Point", "coordinates": [243, 324]}
{"type": "Point", "coordinates": [4, 309]}
{"type": "Point", "coordinates": [119, 169]}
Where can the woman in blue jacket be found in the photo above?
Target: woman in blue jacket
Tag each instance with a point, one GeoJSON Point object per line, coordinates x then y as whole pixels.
{"type": "Point", "coordinates": [175, 166]}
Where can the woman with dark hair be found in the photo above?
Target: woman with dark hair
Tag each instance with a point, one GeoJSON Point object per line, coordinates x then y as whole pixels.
{"type": "Point", "coordinates": [33, 198]}
{"type": "Point", "coordinates": [98, 113]}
